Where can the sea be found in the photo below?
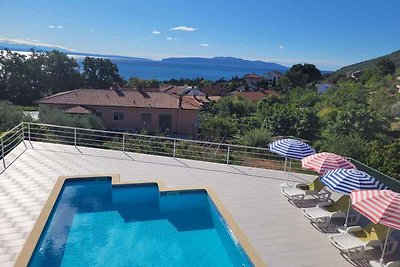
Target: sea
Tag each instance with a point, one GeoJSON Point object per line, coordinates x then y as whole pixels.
{"type": "Point", "coordinates": [163, 71]}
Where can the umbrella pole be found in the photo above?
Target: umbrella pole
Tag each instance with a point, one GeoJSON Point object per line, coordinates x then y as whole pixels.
{"type": "Point", "coordinates": [347, 215]}
{"type": "Point", "coordinates": [290, 165]}
{"type": "Point", "coordinates": [384, 246]}
{"type": "Point", "coordinates": [284, 168]}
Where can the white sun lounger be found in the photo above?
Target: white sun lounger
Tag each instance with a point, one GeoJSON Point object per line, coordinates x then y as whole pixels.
{"type": "Point", "coordinates": [322, 214]}
{"type": "Point", "coordinates": [389, 264]}
{"type": "Point", "coordinates": [298, 192]}
{"type": "Point", "coordinates": [354, 240]}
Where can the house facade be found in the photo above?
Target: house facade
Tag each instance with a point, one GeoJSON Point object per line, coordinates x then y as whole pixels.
{"type": "Point", "coordinates": [273, 76]}
{"type": "Point", "coordinates": [131, 110]}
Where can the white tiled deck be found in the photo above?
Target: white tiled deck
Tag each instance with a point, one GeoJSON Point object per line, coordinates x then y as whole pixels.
{"type": "Point", "coordinates": [278, 230]}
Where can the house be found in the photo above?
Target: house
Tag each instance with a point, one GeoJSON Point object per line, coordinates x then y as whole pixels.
{"type": "Point", "coordinates": [253, 80]}
{"type": "Point", "coordinates": [273, 76]}
{"type": "Point", "coordinates": [131, 110]}
{"type": "Point", "coordinates": [254, 96]}
{"type": "Point", "coordinates": [323, 87]}
{"type": "Point", "coordinates": [214, 90]}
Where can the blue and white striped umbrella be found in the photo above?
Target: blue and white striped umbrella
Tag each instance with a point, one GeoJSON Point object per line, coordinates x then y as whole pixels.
{"type": "Point", "coordinates": [291, 148]}
{"type": "Point", "coordinates": [346, 180]}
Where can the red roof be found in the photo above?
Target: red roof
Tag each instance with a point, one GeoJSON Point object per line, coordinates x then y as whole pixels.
{"type": "Point", "coordinates": [256, 95]}
{"type": "Point", "coordinates": [214, 90]}
{"type": "Point", "coordinates": [252, 75]}
{"type": "Point", "coordinates": [118, 98]}
{"type": "Point", "coordinates": [77, 110]}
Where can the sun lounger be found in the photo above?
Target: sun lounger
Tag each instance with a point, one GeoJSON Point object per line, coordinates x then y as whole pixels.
{"type": "Point", "coordinates": [389, 264]}
{"type": "Point", "coordinates": [322, 214]}
{"type": "Point", "coordinates": [298, 192]}
{"type": "Point", "coordinates": [354, 240]}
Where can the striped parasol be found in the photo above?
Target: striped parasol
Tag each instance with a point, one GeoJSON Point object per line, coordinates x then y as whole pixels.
{"type": "Point", "coordinates": [380, 206]}
{"type": "Point", "coordinates": [291, 148]}
{"type": "Point", "coordinates": [346, 180]}
{"type": "Point", "coordinates": [323, 162]}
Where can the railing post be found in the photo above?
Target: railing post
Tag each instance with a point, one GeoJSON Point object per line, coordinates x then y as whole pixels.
{"type": "Point", "coordinates": [227, 155]}
{"type": "Point", "coordinates": [123, 142]}
{"type": "Point", "coordinates": [2, 152]}
{"type": "Point", "coordinates": [174, 147]}
{"type": "Point", "coordinates": [75, 137]}
{"type": "Point", "coordinates": [29, 132]}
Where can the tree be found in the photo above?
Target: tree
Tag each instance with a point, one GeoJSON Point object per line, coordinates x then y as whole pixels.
{"type": "Point", "coordinates": [56, 117]}
{"type": "Point", "coordinates": [358, 119]}
{"type": "Point", "coordinates": [257, 137]}
{"type": "Point", "coordinates": [300, 75]}
{"type": "Point", "coordinates": [100, 73]}
{"type": "Point", "coordinates": [385, 158]}
{"type": "Point", "coordinates": [62, 72]}
{"type": "Point", "coordinates": [386, 67]}
{"type": "Point", "coordinates": [136, 82]}
{"type": "Point", "coordinates": [347, 145]}
{"type": "Point", "coordinates": [10, 116]}
{"type": "Point", "coordinates": [26, 78]}
{"type": "Point", "coordinates": [217, 128]}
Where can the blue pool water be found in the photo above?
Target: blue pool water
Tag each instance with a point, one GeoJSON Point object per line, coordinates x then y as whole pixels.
{"type": "Point", "coordinates": [95, 224]}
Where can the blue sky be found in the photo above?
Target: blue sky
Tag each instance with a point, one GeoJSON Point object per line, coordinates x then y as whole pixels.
{"type": "Point", "coordinates": [329, 34]}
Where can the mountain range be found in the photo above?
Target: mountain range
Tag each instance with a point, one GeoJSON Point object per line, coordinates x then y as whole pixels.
{"type": "Point", "coordinates": [216, 61]}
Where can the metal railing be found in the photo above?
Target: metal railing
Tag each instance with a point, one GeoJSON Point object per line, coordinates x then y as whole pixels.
{"type": "Point", "coordinates": [156, 145]}
{"type": "Point", "coordinates": [10, 140]}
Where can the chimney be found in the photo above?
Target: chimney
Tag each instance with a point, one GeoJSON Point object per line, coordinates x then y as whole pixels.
{"type": "Point", "coordinates": [142, 92]}
{"type": "Point", "coordinates": [180, 102]}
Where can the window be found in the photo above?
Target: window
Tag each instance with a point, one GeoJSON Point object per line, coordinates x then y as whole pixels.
{"type": "Point", "coordinates": [146, 117]}
{"type": "Point", "coordinates": [98, 114]}
{"type": "Point", "coordinates": [118, 116]}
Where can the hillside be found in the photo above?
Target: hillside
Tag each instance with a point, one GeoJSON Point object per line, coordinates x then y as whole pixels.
{"type": "Point", "coordinates": [395, 57]}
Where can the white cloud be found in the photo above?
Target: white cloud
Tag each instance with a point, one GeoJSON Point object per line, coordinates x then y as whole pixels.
{"type": "Point", "coordinates": [183, 28]}
{"type": "Point", "coordinates": [281, 47]}
{"type": "Point", "coordinates": [171, 39]}
{"type": "Point", "coordinates": [205, 45]}
{"type": "Point", "coordinates": [156, 32]}
{"type": "Point", "coordinates": [32, 43]}
{"type": "Point", "coordinates": [55, 27]}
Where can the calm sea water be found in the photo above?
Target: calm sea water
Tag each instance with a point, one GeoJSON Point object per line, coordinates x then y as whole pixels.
{"type": "Point", "coordinates": [165, 70]}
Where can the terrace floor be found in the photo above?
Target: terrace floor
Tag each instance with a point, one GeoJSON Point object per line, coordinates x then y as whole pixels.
{"type": "Point", "coordinates": [277, 229]}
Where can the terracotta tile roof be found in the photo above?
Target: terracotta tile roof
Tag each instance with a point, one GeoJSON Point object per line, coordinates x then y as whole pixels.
{"type": "Point", "coordinates": [117, 98]}
{"type": "Point", "coordinates": [77, 110]}
{"type": "Point", "coordinates": [257, 95]}
{"type": "Point", "coordinates": [173, 89]}
{"type": "Point", "coordinates": [214, 90]}
{"type": "Point", "coordinates": [252, 75]}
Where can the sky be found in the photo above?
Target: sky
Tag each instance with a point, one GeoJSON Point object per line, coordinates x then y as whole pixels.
{"type": "Point", "coordinates": [327, 33]}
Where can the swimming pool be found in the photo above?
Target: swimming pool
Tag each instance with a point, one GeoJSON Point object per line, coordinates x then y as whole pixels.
{"type": "Point", "coordinates": [96, 223]}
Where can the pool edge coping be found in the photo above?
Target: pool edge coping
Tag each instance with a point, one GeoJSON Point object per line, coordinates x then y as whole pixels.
{"type": "Point", "coordinates": [34, 236]}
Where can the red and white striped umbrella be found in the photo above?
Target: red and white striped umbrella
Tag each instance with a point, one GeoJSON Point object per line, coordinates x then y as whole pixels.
{"type": "Point", "coordinates": [380, 206]}
{"type": "Point", "coordinates": [323, 162]}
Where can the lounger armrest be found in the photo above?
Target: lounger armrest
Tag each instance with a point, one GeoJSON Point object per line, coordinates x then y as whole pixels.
{"type": "Point", "coordinates": [353, 229]}
{"type": "Point", "coordinates": [393, 264]}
